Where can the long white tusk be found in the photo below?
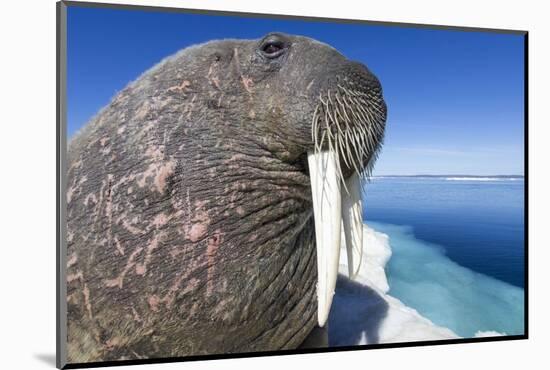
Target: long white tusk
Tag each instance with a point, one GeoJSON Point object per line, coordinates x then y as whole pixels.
{"type": "Point", "coordinates": [327, 208]}
{"type": "Point", "coordinates": [352, 220]}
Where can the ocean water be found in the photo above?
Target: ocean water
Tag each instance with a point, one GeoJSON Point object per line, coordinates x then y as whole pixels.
{"type": "Point", "coordinates": [458, 248]}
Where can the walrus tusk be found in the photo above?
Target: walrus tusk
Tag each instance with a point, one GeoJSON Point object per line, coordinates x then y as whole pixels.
{"type": "Point", "coordinates": [327, 212]}
{"type": "Point", "coordinates": [352, 222]}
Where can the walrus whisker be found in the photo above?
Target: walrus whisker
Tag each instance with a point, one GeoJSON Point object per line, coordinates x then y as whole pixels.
{"type": "Point", "coordinates": [375, 108]}
{"type": "Point", "coordinates": [339, 168]}
{"type": "Point", "coordinates": [368, 114]}
{"type": "Point", "coordinates": [353, 144]}
{"type": "Point", "coordinates": [342, 143]}
{"type": "Point", "coordinates": [357, 144]}
{"type": "Point", "coordinates": [345, 155]}
{"type": "Point", "coordinates": [345, 98]}
{"type": "Point", "coordinates": [334, 118]}
{"type": "Point", "coordinates": [367, 122]}
{"type": "Point", "coordinates": [318, 149]}
{"type": "Point", "coordinates": [365, 117]}
{"type": "Point", "coordinates": [329, 101]}
{"type": "Point", "coordinates": [347, 147]}
{"type": "Point", "coordinates": [331, 119]}
{"type": "Point", "coordinates": [361, 136]}
{"type": "Point", "coordinates": [348, 120]}
{"type": "Point", "coordinates": [356, 116]}
{"type": "Point", "coordinates": [327, 125]}
{"type": "Point", "coordinates": [314, 126]}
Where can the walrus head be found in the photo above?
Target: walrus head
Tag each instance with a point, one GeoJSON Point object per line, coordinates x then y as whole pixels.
{"type": "Point", "coordinates": [312, 108]}
{"type": "Point", "coordinates": [202, 198]}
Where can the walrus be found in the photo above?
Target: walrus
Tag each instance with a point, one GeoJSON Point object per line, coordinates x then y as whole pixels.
{"type": "Point", "coordinates": [206, 201]}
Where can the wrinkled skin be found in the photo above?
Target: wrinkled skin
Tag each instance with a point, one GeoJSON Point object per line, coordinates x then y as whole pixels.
{"type": "Point", "coordinates": [190, 227]}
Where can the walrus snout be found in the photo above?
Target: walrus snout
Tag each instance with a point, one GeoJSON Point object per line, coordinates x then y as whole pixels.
{"type": "Point", "coordinates": [350, 117]}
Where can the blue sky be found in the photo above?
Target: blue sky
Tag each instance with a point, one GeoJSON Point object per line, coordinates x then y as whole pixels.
{"type": "Point", "coordinates": [455, 99]}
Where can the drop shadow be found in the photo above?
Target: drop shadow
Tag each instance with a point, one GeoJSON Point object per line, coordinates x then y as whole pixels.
{"type": "Point", "coordinates": [318, 338]}
{"type": "Point", "coordinates": [47, 358]}
{"type": "Point", "coordinates": [357, 313]}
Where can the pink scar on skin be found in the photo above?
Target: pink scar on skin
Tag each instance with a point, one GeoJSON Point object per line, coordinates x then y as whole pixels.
{"type": "Point", "coordinates": [136, 315]}
{"type": "Point", "coordinates": [189, 110]}
{"type": "Point", "coordinates": [213, 79]}
{"type": "Point", "coordinates": [155, 152]}
{"type": "Point", "coordinates": [161, 172]}
{"type": "Point", "coordinates": [112, 343]}
{"type": "Point", "coordinates": [192, 284]}
{"type": "Point", "coordinates": [141, 113]}
{"type": "Point", "coordinates": [199, 223]}
{"type": "Point", "coordinates": [90, 197]}
{"type": "Point", "coordinates": [141, 268]}
{"type": "Point", "coordinates": [129, 264]}
{"type": "Point", "coordinates": [132, 229]}
{"type": "Point", "coordinates": [73, 277]}
{"type": "Point", "coordinates": [175, 252]}
{"type": "Point", "coordinates": [74, 187]}
{"type": "Point", "coordinates": [248, 83]}
{"type": "Point", "coordinates": [76, 164]}
{"type": "Point", "coordinates": [71, 297]}
{"type": "Point", "coordinates": [87, 303]}
{"type": "Point", "coordinates": [109, 209]}
{"type": "Point", "coordinates": [181, 87]}
{"type": "Point", "coordinates": [160, 220]}
{"type": "Point", "coordinates": [235, 158]}
{"type": "Point", "coordinates": [197, 232]}
{"type": "Point", "coordinates": [164, 172]}
{"type": "Point", "coordinates": [105, 150]}
{"type": "Point", "coordinates": [154, 303]}
{"type": "Point", "coordinates": [180, 249]}
{"type": "Point", "coordinates": [72, 260]}
{"type": "Point", "coordinates": [119, 246]}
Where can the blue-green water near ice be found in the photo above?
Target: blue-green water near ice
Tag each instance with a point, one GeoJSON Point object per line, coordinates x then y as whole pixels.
{"type": "Point", "coordinates": [458, 248]}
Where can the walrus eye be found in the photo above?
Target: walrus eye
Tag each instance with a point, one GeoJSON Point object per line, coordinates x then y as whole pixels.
{"type": "Point", "coordinates": [273, 48]}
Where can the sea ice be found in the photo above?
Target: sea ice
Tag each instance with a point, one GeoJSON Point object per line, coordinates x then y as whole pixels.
{"type": "Point", "coordinates": [449, 301]}
{"type": "Point", "coordinates": [362, 311]}
{"type": "Point", "coordinates": [450, 295]}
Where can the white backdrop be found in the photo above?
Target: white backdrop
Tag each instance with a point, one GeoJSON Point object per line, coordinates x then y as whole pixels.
{"type": "Point", "coordinates": [27, 148]}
